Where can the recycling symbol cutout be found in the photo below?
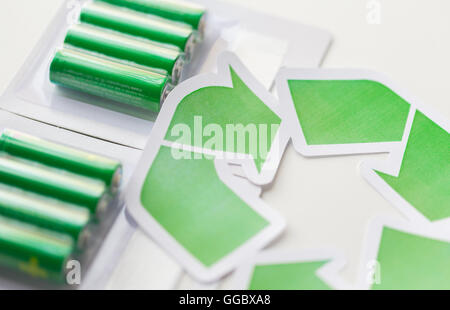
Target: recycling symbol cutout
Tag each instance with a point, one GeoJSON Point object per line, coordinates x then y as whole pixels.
{"type": "Point", "coordinates": [187, 195]}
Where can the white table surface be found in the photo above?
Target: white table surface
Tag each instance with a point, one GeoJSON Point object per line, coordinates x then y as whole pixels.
{"type": "Point", "coordinates": [411, 45]}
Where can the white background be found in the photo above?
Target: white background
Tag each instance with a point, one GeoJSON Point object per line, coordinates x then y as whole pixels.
{"type": "Point", "coordinates": [326, 200]}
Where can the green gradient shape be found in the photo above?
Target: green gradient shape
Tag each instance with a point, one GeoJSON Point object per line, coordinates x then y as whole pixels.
{"type": "Point", "coordinates": [424, 179]}
{"type": "Point", "coordinates": [411, 262]}
{"type": "Point", "coordinates": [196, 208]}
{"type": "Point", "coordinates": [293, 276]}
{"type": "Point", "coordinates": [348, 111]}
{"type": "Point", "coordinates": [223, 105]}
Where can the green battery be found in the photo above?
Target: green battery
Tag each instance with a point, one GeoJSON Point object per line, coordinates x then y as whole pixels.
{"type": "Point", "coordinates": [120, 82]}
{"type": "Point", "coordinates": [47, 213]}
{"type": "Point", "coordinates": [34, 251]}
{"type": "Point", "coordinates": [69, 187]}
{"type": "Point", "coordinates": [115, 44]}
{"type": "Point", "coordinates": [62, 157]}
{"type": "Point", "coordinates": [181, 11]}
{"type": "Point", "coordinates": [139, 24]}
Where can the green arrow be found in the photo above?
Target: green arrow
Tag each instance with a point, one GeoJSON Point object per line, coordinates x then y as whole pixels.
{"type": "Point", "coordinates": [424, 179]}
{"type": "Point", "coordinates": [221, 107]}
{"type": "Point", "coordinates": [348, 111]}
{"type": "Point", "coordinates": [292, 276]}
{"type": "Point", "coordinates": [195, 207]}
{"type": "Point", "coordinates": [411, 262]}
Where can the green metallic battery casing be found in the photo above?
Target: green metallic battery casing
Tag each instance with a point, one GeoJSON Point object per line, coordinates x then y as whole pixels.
{"type": "Point", "coordinates": [46, 213]}
{"type": "Point", "coordinates": [139, 24]}
{"type": "Point", "coordinates": [34, 251]}
{"type": "Point", "coordinates": [69, 187]}
{"type": "Point", "coordinates": [112, 80]}
{"type": "Point", "coordinates": [189, 13]}
{"type": "Point", "coordinates": [118, 45]}
{"type": "Point", "coordinates": [62, 157]}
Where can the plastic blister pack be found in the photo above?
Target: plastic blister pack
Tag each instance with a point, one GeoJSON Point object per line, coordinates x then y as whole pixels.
{"type": "Point", "coordinates": [51, 218]}
{"type": "Point", "coordinates": [266, 43]}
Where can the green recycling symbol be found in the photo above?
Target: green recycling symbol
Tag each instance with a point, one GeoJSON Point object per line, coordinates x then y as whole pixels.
{"type": "Point", "coordinates": [213, 221]}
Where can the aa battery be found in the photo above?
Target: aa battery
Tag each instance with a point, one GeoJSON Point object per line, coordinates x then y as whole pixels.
{"type": "Point", "coordinates": [115, 44]}
{"type": "Point", "coordinates": [37, 252]}
{"type": "Point", "coordinates": [138, 24]}
{"type": "Point", "coordinates": [46, 213]}
{"type": "Point", "coordinates": [105, 78]}
{"type": "Point", "coordinates": [59, 156]}
{"type": "Point", "coordinates": [69, 187]}
{"type": "Point", "coordinates": [181, 11]}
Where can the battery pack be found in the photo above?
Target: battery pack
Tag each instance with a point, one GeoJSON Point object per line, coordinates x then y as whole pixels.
{"type": "Point", "coordinates": [53, 203]}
